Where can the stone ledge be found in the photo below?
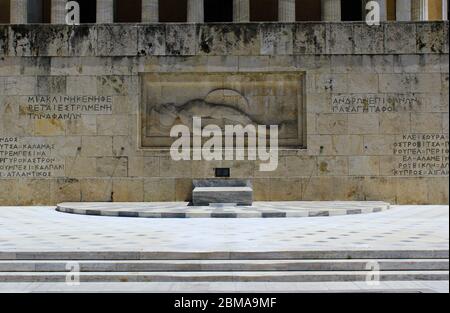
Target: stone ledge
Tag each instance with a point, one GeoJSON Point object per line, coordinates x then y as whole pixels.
{"type": "Point", "coordinates": [224, 39]}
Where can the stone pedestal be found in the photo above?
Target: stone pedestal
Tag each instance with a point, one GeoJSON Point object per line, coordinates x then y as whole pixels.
{"type": "Point", "coordinates": [286, 10]}
{"type": "Point", "coordinates": [331, 10]}
{"type": "Point", "coordinates": [105, 11]}
{"type": "Point", "coordinates": [150, 11]}
{"type": "Point", "coordinates": [228, 191]}
{"type": "Point", "coordinates": [241, 11]}
{"type": "Point", "coordinates": [59, 11]}
{"type": "Point", "coordinates": [19, 12]}
{"type": "Point", "coordinates": [195, 11]}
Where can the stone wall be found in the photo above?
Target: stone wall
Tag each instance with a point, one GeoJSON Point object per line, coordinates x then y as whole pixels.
{"type": "Point", "coordinates": [375, 110]}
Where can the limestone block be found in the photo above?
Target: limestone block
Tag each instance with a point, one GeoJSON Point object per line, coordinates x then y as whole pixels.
{"type": "Point", "coordinates": [277, 39]}
{"type": "Point", "coordinates": [444, 62]}
{"type": "Point", "coordinates": [201, 169]}
{"type": "Point", "coordinates": [363, 123]}
{"type": "Point", "coordinates": [176, 169]}
{"type": "Point", "coordinates": [8, 192]}
{"type": "Point", "coordinates": [446, 39]}
{"type": "Point", "coordinates": [438, 190]}
{"type": "Point", "coordinates": [65, 190]}
{"type": "Point", "coordinates": [337, 83]}
{"type": "Point", "coordinates": [113, 125]}
{"type": "Point", "coordinates": [83, 41]}
{"type": "Point", "coordinates": [319, 145]}
{"type": "Point", "coordinates": [125, 104]}
{"type": "Point", "coordinates": [174, 64]}
{"type": "Point", "coordinates": [96, 146]}
{"type": "Point", "coordinates": [310, 38]}
{"type": "Point", "coordinates": [96, 190]}
{"type": "Point", "coordinates": [400, 38]}
{"type": "Point", "coordinates": [52, 40]}
{"type": "Point", "coordinates": [318, 103]}
{"type": "Point", "coordinates": [51, 85]}
{"type": "Point", "coordinates": [116, 40]}
{"type": "Point", "coordinates": [229, 39]}
{"type": "Point", "coordinates": [180, 39]}
{"type": "Point", "coordinates": [380, 189]}
{"type": "Point", "coordinates": [347, 63]}
{"type": "Point", "coordinates": [14, 121]}
{"type": "Point", "coordinates": [112, 167]}
{"type": "Point", "coordinates": [316, 63]}
{"type": "Point", "coordinates": [430, 38]}
{"type": "Point", "coordinates": [128, 190]}
{"type": "Point", "coordinates": [332, 166]}
{"type": "Point", "coordinates": [241, 169]}
{"type": "Point", "coordinates": [368, 39]}
{"type": "Point", "coordinates": [396, 82]}
{"type": "Point", "coordinates": [364, 165]}
{"type": "Point", "coordinates": [81, 167]}
{"type": "Point", "coordinates": [379, 144]}
{"type": "Point", "coordinates": [3, 40]}
{"type": "Point", "coordinates": [445, 83]}
{"type": "Point", "coordinates": [183, 189]}
{"type": "Point", "coordinates": [118, 85]}
{"type": "Point", "coordinates": [340, 38]}
{"type": "Point", "coordinates": [445, 122]}
{"type": "Point", "coordinates": [426, 82]}
{"type": "Point", "coordinates": [136, 166]}
{"type": "Point", "coordinates": [159, 189]}
{"type": "Point", "coordinates": [222, 63]}
{"type": "Point", "coordinates": [426, 123]}
{"type": "Point", "coordinates": [285, 189]}
{"type": "Point", "coordinates": [151, 40]}
{"type": "Point", "coordinates": [328, 124]}
{"type": "Point", "coordinates": [253, 63]}
{"type": "Point", "coordinates": [33, 192]}
{"type": "Point", "coordinates": [49, 127]}
{"type": "Point", "coordinates": [347, 145]}
{"type": "Point", "coordinates": [405, 185]}
{"type": "Point", "coordinates": [291, 166]}
{"type": "Point", "coordinates": [395, 123]}
{"type": "Point", "coordinates": [407, 63]}
{"type": "Point", "coordinates": [20, 85]}
{"type": "Point", "coordinates": [81, 85]}
{"type": "Point", "coordinates": [22, 39]}
{"type": "Point", "coordinates": [378, 63]}
{"type": "Point", "coordinates": [151, 167]}
{"type": "Point", "coordinates": [363, 83]}
{"type": "Point", "coordinates": [86, 125]}
{"type": "Point", "coordinates": [327, 188]}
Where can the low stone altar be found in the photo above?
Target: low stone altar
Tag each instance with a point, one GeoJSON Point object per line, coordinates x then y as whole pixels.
{"type": "Point", "coordinates": [213, 191]}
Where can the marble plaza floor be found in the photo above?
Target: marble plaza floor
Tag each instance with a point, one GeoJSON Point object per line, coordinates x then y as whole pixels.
{"type": "Point", "coordinates": [43, 229]}
{"type": "Point", "coordinates": [400, 228]}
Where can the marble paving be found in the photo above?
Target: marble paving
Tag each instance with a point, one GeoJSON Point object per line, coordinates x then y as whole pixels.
{"type": "Point", "coordinates": [401, 228]}
{"type": "Point", "coordinates": [287, 209]}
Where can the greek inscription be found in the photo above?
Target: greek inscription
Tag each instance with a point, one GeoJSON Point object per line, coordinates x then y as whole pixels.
{"type": "Point", "coordinates": [22, 159]}
{"type": "Point", "coordinates": [422, 155]}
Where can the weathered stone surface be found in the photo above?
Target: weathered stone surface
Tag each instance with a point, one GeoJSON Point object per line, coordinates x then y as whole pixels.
{"type": "Point", "coordinates": [151, 40]}
{"type": "Point", "coordinates": [229, 39]}
{"type": "Point", "coordinates": [310, 39]}
{"type": "Point", "coordinates": [180, 39]}
{"type": "Point", "coordinates": [400, 38]}
{"type": "Point", "coordinates": [116, 40]}
{"type": "Point", "coordinates": [368, 97]}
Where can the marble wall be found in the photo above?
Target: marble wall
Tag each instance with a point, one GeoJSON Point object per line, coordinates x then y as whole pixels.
{"type": "Point", "coordinates": [375, 108]}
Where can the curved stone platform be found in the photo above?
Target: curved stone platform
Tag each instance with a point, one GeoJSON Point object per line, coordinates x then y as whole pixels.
{"type": "Point", "coordinates": [258, 210]}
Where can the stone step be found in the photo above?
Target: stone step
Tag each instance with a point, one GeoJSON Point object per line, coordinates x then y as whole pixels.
{"type": "Point", "coordinates": [267, 255]}
{"type": "Point", "coordinates": [226, 265]}
{"type": "Point", "coordinates": [297, 276]}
